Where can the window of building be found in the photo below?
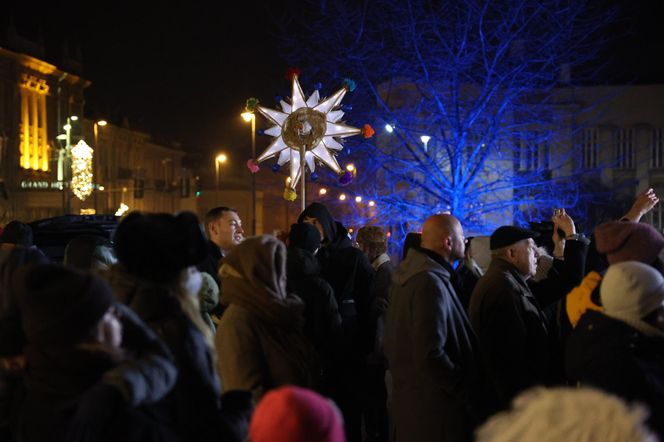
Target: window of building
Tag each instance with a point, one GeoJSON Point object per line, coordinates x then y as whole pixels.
{"type": "Point", "coordinates": [589, 147]}
{"type": "Point", "coordinates": [533, 154]}
{"type": "Point", "coordinates": [625, 148]}
{"type": "Point", "coordinates": [657, 149]}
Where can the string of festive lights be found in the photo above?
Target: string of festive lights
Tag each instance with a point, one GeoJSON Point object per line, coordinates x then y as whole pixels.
{"type": "Point", "coordinates": [81, 168]}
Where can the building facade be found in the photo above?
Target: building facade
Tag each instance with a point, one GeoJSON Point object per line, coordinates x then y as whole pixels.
{"type": "Point", "coordinates": [36, 99]}
{"type": "Point", "coordinates": [41, 123]}
{"type": "Point", "coordinates": [131, 172]}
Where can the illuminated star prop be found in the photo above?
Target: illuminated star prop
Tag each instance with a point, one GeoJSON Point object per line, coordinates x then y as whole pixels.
{"type": "Point", "coordinates": [312, 124]}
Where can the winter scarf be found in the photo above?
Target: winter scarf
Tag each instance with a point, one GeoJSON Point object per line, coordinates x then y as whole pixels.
{"type": "Point", "coordinates": [254, 276]}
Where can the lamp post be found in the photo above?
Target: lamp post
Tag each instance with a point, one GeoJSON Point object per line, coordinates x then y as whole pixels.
{"type": "Point", "coordinates": [250, 116]}
{"type": "Point", "coordinates": [95, 167]}
{"type": "Point", "coordinates": [64, 164]}
{"type": "Point", "coordinates": [218, 160]}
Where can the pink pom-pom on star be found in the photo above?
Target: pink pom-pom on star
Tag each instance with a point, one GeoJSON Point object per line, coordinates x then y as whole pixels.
{"type": "Point", "coordinates": [253, 167]}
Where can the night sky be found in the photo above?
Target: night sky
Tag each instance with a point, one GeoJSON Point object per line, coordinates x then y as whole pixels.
{"type": "Point", "coordinates": [183, 72]}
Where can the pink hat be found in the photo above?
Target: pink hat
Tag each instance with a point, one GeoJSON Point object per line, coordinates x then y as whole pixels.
{"type": "Point", "coordinates": [294, 414]}
{"type": "Point", "coordinates": [629, 241]}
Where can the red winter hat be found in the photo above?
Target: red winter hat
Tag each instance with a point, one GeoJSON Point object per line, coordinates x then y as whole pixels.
{"type": "Point", "coordinates": [628, 241]}
{"type": "Point", "coordinates": [294, 414]}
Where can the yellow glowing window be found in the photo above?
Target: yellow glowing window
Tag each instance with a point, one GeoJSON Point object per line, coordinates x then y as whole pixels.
{"type": "Point", "coordinates": [34, 149]}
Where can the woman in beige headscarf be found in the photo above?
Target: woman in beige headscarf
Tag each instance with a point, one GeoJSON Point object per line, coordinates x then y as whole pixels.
{"type": "Point", "coordinates": [259, 339]}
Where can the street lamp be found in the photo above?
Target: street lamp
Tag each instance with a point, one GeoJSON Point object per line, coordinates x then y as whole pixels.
{"type": "Point", "coordinates": [251, 117]}
{"type": "Point", "coordinates": [219, 159]}
{"type": "Point", "coordinates": [96, 159]}
{"type": "Point", "coordinates": [63, 162]}
{"type": "Point", "coordinates": [425, 140]}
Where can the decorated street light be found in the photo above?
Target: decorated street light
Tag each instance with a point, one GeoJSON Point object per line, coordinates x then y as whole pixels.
{"type": "Point", "coordinates": [249, 116]}
{"type": "Point", "coordinates": [81, 170]}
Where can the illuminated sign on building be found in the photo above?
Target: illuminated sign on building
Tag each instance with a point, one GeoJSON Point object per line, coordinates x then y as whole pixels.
{"type": "Point", "coordinates": [41, 185]}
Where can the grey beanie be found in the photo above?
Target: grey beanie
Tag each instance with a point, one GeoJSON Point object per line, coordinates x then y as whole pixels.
{"type": "Point", "coordinates": [630, 291]}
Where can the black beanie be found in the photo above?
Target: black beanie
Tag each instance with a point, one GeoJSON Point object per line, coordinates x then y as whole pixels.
{"type": "Point", "coordinates": [304, 236]}
{"type": "Point", "coordinates": [320, 212]}
{"type": "Point", "coordinates": [157, 246]}
{"type": "Point", "coordinates": [59, 305]}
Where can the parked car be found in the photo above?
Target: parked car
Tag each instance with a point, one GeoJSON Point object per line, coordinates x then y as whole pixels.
{"type": "Point", "coordinates": [52, 235]}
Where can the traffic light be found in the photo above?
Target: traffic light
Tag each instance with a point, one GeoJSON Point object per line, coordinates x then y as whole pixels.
{"type": "Point", "coordinates": [198, 187]}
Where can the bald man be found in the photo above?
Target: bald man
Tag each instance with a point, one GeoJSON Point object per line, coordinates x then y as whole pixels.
{"type": "Point", "coordinates": [429, 343]}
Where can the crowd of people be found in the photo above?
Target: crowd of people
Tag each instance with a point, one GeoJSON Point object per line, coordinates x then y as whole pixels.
{"type": "Point", "coordinates": [184, 329]}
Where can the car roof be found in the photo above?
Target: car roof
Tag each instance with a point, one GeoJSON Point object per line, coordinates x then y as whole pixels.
{"type": "Point", "coordinates": [52, 235]}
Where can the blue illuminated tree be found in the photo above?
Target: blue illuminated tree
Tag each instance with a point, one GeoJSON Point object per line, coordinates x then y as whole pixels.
{"type": "Point", "coordinates": [488, 81]}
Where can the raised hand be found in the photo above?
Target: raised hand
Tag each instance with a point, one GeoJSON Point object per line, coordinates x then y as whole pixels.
{"type": "Point", "coordinates": [563, 221]}
{"type": "Point", "coordinates": [642, 205]}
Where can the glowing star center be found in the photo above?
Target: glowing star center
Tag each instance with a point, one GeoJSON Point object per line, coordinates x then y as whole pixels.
{"type": "Point", "coordinates": [305, 127]}
{"type": "Point", "coordinates": [309, 123]}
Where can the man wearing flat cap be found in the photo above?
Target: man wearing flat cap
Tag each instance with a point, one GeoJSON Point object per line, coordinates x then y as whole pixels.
{"type": "Point", "coordinates": [519, 345]}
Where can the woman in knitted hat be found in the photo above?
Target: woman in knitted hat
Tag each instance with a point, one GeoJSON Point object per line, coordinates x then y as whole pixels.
{"type": "Point", "coordinates": [621, 349]}
{"type": "Point", "coordinates": [157, 277]}
{"type": "Point", "coordinates": [294, 414]}
{"type": "Point", "coordinates": [259, 338]}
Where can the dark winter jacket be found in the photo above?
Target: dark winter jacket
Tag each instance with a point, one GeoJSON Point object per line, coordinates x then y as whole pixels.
{"type": "Point", "coordinates": [345, 267]}
{"type": "Point", "coordinates": [609, 354]}
{"type": "Point", "coordinates": [431, 352]}
{"type": "Point", "coordinates": [381, 295]}
{"type": "Point", "coordinates": [517, 345]}
{"type": "Point", "coordinates": [212, 261]}
{"type": "Point", "coordinates": [197, 381]}
{"type": "Point", "coordinates": [520, 343]}
{"type": "Point", "coordinates": [467, 280]}
{"type": "Point", "coordinates": [322, 322]}
{"type": "Point", "coordinates": [90, 390]}
{"type": "Point", "coordinates": [349, 272]}
{"type": "Point", "coordinates": [70, 401]}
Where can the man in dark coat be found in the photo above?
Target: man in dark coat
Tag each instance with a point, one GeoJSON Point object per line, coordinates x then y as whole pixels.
{"type": "Point", "coordinates": [351, 276]}
{"type": "Point", "coordinates": [223, 228]}
{"type": "Point", "coordinates": [372, 240]}
{"type": "Point", "coordinates": [519, 346]}
{"type": "Point", "coordinates": [429, 343]}
{"type": "Point", "coordinates": [322, 322]}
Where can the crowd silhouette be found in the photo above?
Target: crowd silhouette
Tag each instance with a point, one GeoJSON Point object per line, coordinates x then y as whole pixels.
{"type": "Point", "coordinates": [180, 329]}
